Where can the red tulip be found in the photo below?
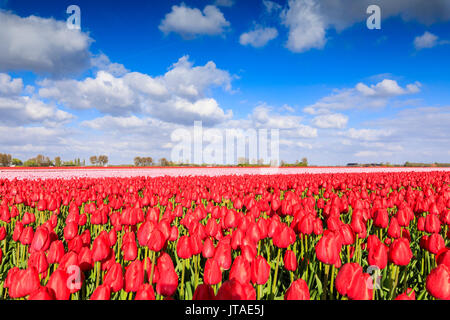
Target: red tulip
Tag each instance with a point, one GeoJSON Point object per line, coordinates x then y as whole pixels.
{"type": "Point", "coordinates": [240, 270]}
{"type": "Point", "coordinates": [394, 230]}
{"type": "Point", "coordinates": [347, 234]}
{"type": "Point", "coordinates": [27, 236]}
{"type": "Point", "coordinates": [361, 288]}
{"type": "Point", "coordinates": [2, 233]}
{"type": "Point", "coordinates": [85, 259]}
{"type": "Point", "coordinates": [134, 276]}
{"type": "Point", "coordinates": [223, 256]}
{"type": "Point", "coordinates": [102, 292]}
{"type": "Point", "coordinates": [432, 223]}
{"type": "Point", "coordinates": [378, 256]}
{"type": "Point", "coordinates": [145, 292]}
{"type": "Point", "coordinates": [57, 284]}
{"type": "Point", "coordinates": [100, 248]}
{"type": "Point", "coordinates": [260, 270]}
{"type": "Point", "coordinates": [167, 283]}
{"type": "Point", "coordinates": [43, 293]}
{"type": "Point", "coordinates": [24, 282]}
{"type": "Point", "coordinates": [408, 295]}
{"type": "Point", "coordinates": [70, 230]}
{"type": "Point", "coordinates": [38, 260]}
{"type": "Point", "coordinates": [130, 251]}
{"type": "Point", "coordinates": [298, 290]}
{"type": "Point", "coordinates": [381, 218]}
{"type": "Point", "coordinates": [443, 257]}
{"type": "Point", "coordinates": [284, 238]}
{"type": "Point", "coordinates": [208, 248]}
{"type": "Point", "coordinates": [435, 243]}
{"type": "Point", "coordinates": [114, 277]}
{"type": "Point", "coordinates": [212, 273]}
{"type": "Point", "coordinates": [204, 292]}
{"type": "Point", "coordinates": [438, 282]}
{"type": "Point", "coordinates": [347, 276]}
{"type": "Point", "coordinates": [156, 241]}
{"type": "Point", "coordinates": [400, 252]}
{"type": "Point", "coordinates": [55, 252]}
{"type": "Point", "coordinates": [290, 260]}
{"type": "Point", "coordinates": [233, 290]}
{"type": "Point", "coordinates": [328, 248]}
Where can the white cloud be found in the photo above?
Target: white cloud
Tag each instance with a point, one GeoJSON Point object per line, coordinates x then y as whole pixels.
{"type": "Point", "coordinates": [180, 95]}
{"type": "Point", "coordinates": [24, 110]}
{"type": "Point", "coordinates": [362, 96]}
{"type": "Point", "coordinates": [309, 20]}
{"type": "Point", "coordinates": [41, 45]}
{"type": "Point", "coordinates": [329, 121]}
{"type": "Point", "coordinates": [102, 62]}
{"type": "Point", "coordinates": [366, 134]}
{"type": "Point", "coordinates": [263, 117]}
{"type": "Point", "coordinates": [258, 37]}
{"type": "Point", "coordinates": [427, 40]}
{"type": "Point", "coordinates": [191, 22]}
{"type": "Point", "coordinates": [271, 6]}
{"type": "Point", "coordinates": [9, 86]}
{"type": "Point", "coordinates": [306, 25]}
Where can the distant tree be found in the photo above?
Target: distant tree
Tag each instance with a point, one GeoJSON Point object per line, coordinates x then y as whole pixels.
{"type": "Point", "coordinates": [5, 159]}
{"type": "Point", "coordinates": [138, 161]}
{"type": "Point", "coordinates": [93, 160]}
{"type": "Point", "coordinates": [58, 162]}
{"type": "Point", "coordinates": [163, 162]}
{"type": "Point", "coordinates": [148, 161]}
{"type": "Point", "coordinates": [43, 161]}
{"type": "Point", "coordinates": [103, 160]}
{"type": "Point", "coordinates": [16, 162]}
{"type": "Point", "coordinates": [31, 163]}
{"type": "Point", "coordinates": [304, 162]}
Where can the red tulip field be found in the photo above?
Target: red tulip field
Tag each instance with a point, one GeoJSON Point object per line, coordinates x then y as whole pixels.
{"type": "Point", "coordinates": [328, 236]}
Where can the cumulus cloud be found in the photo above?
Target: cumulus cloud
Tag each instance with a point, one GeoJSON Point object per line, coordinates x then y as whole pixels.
{"type": "Point", "coordinates": [24, 110]}
{"type": "Point", "coordinates": [258, 37]}
{"type": "Point", "coordinates": [330, 121]}
{"type": "Point", "coordinates": [41, 45]}
{"type": "Point", "coordinates": [263, 117]}
{"type": "Point", "coordinates": [306, 25]}
{"type": "Point", "coordinates": [9, 86]}
{"type": "Point", "coordinates": [366, 134]}
{"type": "Point", "coordinates": [180, 95]}
{"type": "Point", "coordinates": [271, 6]}
{"type": "Point", "coordinates": [191, 22]}
{"type": "Point", "coordinates": [309, 20]}
{"type": "Point", "coordinates": [362, 96]}
{"type": "Point", "coordinates": [102, 62]}
{"type": "Point", "coordinates": [428, 40]}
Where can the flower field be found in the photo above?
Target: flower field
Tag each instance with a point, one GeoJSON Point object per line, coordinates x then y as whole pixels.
{"type": "Point", "coordinates": [360, 235]}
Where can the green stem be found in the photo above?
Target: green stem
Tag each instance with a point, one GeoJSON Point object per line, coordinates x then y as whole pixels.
{"type": "Point", "coordinates": [274, 283]}
{"type": "Point", "coordinates": [182, 279]}
{"type": "Point", "coordinates": [325, 282]}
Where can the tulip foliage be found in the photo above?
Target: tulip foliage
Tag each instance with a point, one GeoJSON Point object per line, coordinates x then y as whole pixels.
{"type": "Point", "coordinates": [359, 236]}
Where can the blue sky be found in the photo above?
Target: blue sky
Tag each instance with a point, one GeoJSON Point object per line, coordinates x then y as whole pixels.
{"type": "Point", "coordinates": [136, 73]}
